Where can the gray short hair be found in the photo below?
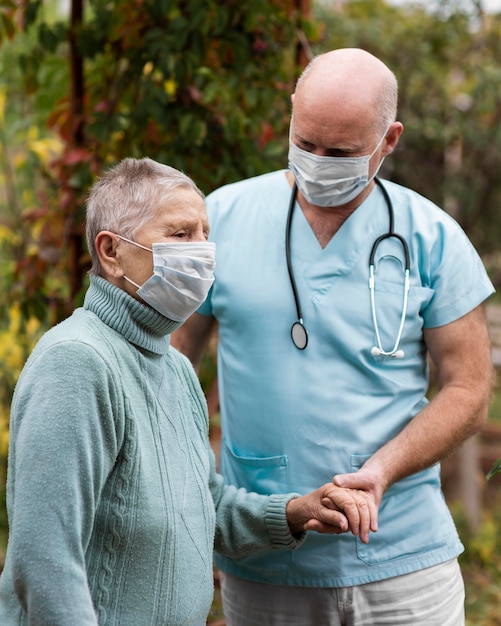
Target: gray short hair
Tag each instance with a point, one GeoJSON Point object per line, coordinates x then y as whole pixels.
{"type": "Point", "coordinates": [127, 196]}
{"type": "Point", "coordinates": [386, 104]}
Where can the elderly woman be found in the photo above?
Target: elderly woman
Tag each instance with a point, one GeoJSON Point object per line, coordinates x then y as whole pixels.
{"type": "Point", "coordinates": [114, 503]}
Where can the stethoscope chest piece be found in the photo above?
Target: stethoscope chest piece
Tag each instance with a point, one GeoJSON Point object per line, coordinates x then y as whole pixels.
{"type": "Point", "coordinates": [299, 335]}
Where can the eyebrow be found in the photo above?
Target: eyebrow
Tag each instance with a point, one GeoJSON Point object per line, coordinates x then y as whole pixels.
{"type": "Point", "coordinates": [340, 149]}
{"type": "Point", "coordinates": [189, 223]}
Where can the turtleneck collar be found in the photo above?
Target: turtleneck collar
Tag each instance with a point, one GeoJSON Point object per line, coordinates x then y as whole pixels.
{"type": "Point", "coordinates": [137, 322]}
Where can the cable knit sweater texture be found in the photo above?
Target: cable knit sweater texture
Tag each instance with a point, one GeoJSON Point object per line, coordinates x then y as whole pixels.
{"type": "Point", "coordinates": [113, 500]}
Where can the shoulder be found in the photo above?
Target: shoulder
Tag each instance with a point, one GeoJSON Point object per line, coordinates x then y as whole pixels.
{"type": "Point", "coordinates": [82, 344]}
{"type": "Point", "coordinates": [243, 205]}
{"type": "Point", "coordinates": [420, 215]}
{"type": "Point", "coordinates": [403, 197]}
{"type": "Point", "coordinates": [442, 256]}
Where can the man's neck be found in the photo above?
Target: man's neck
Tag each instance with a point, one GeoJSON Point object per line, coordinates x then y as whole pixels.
{"type": "Point", "coordinates": [326, 221]}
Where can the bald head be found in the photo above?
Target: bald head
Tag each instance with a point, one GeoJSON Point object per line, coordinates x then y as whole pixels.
{"type": "Point", "coordinates": [350, 84]}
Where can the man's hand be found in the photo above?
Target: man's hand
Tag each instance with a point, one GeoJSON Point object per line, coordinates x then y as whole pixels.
{"type": "Point", "coordinates": [370, 479]}
{"type": "Point", "coordinates": [333, 510]}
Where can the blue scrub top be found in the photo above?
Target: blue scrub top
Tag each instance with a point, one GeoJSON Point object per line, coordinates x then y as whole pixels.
{"type": "Point", "coordinates": [292, 419]}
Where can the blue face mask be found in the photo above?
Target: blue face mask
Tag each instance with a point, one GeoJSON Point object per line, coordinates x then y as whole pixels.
{"type": "Point", "coordinates": [330, 181]}
{"type": "Point", "coordinates": [183, 273]}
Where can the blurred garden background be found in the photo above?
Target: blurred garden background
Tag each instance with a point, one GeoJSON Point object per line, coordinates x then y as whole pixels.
{"type": "Point", "coordinates": [204, 86]}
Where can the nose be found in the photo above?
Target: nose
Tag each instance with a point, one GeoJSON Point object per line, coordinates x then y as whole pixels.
{"type": "Point", "coordinates": [321, 152]}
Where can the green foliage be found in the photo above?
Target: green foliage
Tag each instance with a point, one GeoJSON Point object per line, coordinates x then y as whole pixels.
{"type": "Point", "coordinates": [496, 469]}
{"type": "Point", "coordinates": [495, 417]}
{"type": "Point", "coordinates": [481, 564]}
{"type": "Point", "coordinates": [203, 87]}
{"type": "Point", "coordinates": [192, 84]}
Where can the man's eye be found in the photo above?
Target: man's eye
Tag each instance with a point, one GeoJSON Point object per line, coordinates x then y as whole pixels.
{"type": "Point", "coordinates": [305, 145]}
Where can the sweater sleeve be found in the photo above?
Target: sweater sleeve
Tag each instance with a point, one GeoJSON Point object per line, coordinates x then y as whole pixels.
{"type": "Point", "coordinates": [64, 443]}
{"type": "Point", "coordinates": [249, 522]}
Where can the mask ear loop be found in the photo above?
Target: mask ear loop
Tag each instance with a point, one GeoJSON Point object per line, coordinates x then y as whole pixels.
{"type": "Point", "coordinates": [134, 243]}
{"type": "Point", "coordinates": [299, 333]}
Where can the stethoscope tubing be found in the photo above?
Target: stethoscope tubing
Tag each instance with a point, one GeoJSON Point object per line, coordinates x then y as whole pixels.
{"type": "Point", "coordinates": [299, 333]}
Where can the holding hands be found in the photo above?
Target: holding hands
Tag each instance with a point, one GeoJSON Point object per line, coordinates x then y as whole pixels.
{"type": "Point", "coordinates": [334, 510]}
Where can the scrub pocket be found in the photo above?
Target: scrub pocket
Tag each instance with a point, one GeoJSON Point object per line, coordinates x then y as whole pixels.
{"type": "Point", "coordinates": [264, 475]}
{"type": "Point", "coordinates": [389, 302]}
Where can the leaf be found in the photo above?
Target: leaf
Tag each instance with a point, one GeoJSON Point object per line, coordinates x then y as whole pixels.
{"type": "Point", "coordinates": [7, 26]}
{"type": "Point", "coordinates": [496, 469]}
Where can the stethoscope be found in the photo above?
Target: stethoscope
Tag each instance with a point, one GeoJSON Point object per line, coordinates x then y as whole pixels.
{"type": "Point", "coordinates": [299, 334]}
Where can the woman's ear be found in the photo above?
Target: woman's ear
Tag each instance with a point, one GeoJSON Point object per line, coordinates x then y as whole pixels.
{"type": "Point", "coordinates": [107, 244]}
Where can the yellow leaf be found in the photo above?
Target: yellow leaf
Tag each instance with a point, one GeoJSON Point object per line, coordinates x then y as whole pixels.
{"type": "Point", "coordinates": [3, 99]}
{"type": "Point", "coordinates": [170, 87]}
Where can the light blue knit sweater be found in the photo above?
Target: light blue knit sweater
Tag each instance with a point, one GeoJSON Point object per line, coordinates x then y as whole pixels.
{"type": "Point", "coordinates": [113, 500]}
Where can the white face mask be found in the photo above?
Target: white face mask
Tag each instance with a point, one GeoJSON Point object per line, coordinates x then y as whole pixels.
{"type": "Point", "coordinates": [330, 181]}
{"type": "Point", "coordinates": [183, 273]}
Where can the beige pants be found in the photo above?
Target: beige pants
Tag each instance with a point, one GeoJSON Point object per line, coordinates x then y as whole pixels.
{"type": "Point", "coordinates": [430, 597]}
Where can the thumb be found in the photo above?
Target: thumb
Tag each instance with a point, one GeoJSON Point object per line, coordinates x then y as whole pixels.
{"type": "Point", "coordinates": [356, 480]}
{"type": "Point", "coordinates": [343, 480]}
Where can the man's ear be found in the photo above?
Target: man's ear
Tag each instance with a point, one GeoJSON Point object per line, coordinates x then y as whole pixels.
{"type": "Point", "coordinates": [107, 244]}
{"type": "Point", "coordinates": [392, 137]}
